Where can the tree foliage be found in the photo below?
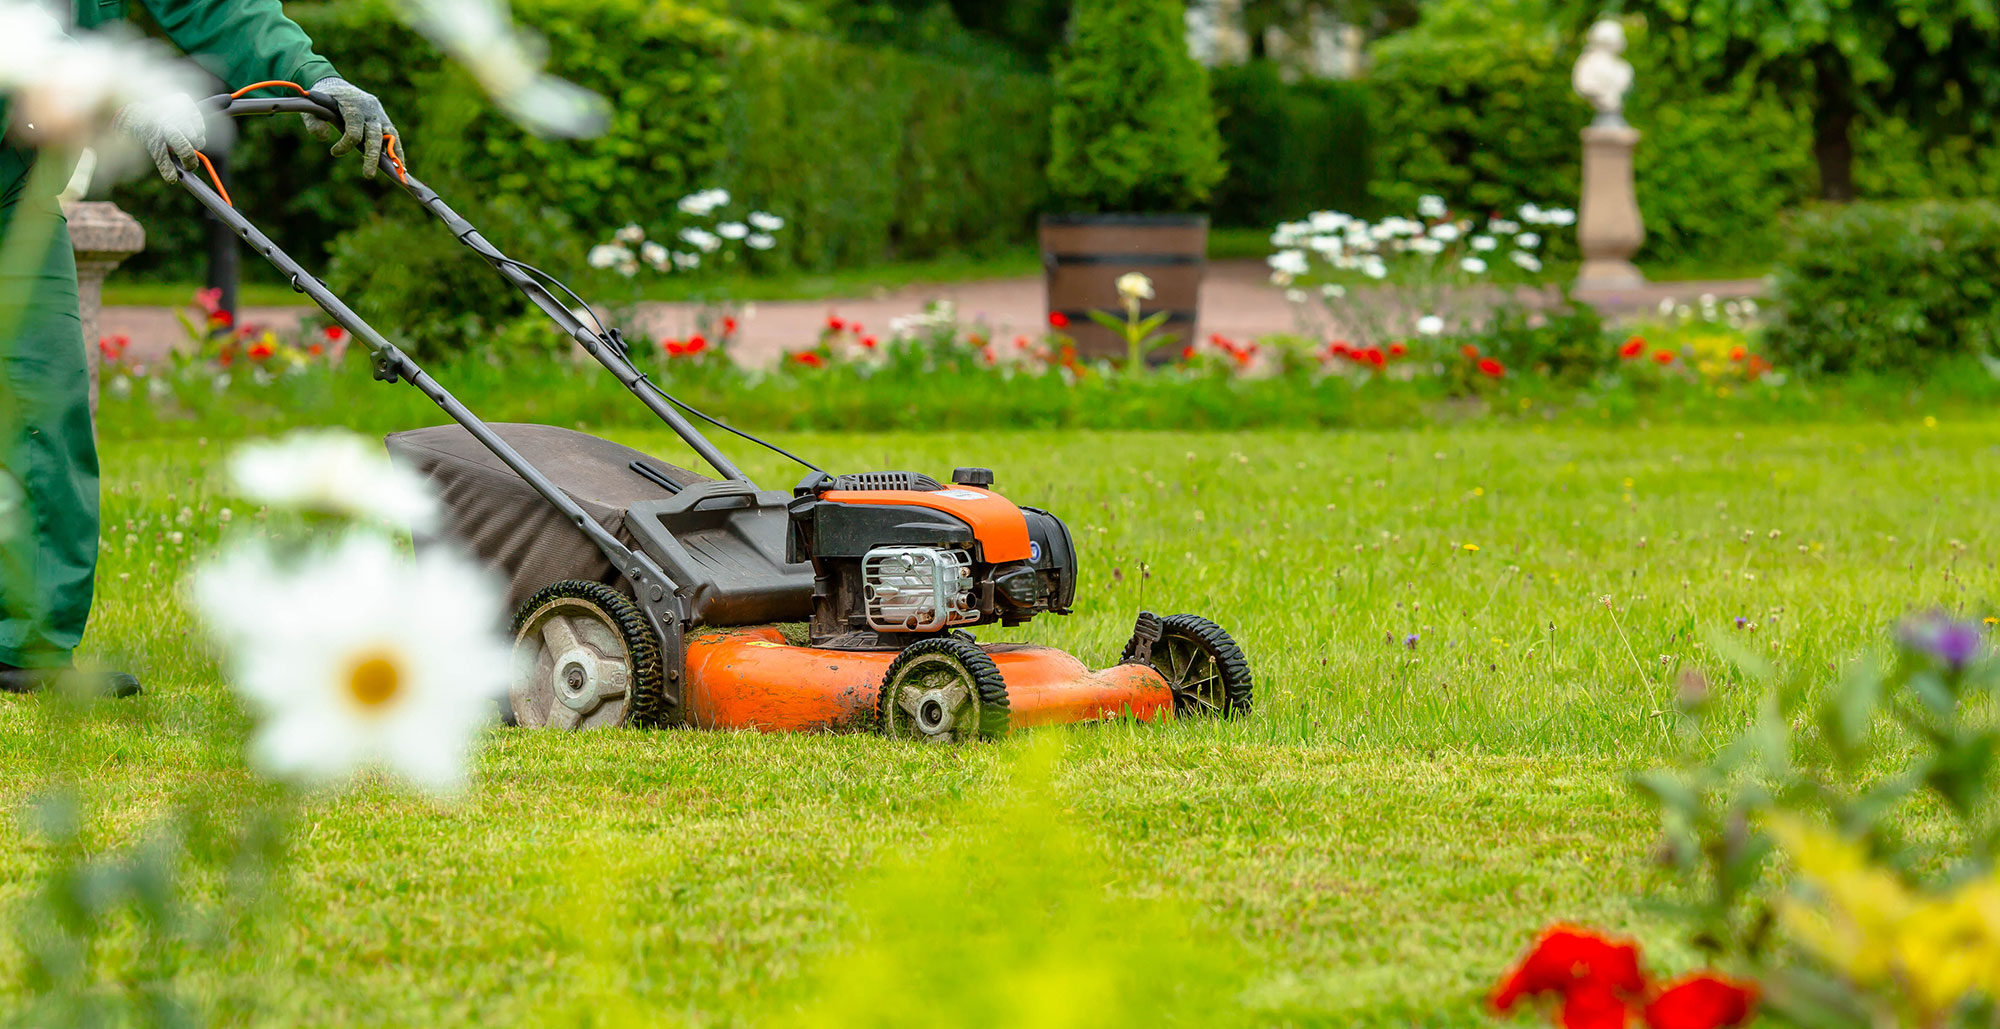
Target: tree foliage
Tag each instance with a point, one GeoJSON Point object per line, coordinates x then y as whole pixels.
{"type": "Point", "coordinates": [1133, 127]}
{"type": "Point", "coordinates": [1933, 62]}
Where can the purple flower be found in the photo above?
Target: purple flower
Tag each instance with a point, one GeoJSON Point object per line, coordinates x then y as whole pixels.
{"type": "Point", "coordinates": [1410, 641]}
{"type": "Point", "coordinates": [1942, 637]}
{"type": "Point", "coordinates": [1741, 621]}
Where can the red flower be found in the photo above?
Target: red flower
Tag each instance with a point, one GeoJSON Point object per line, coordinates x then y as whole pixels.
{"type": "Point", "coordinates": [868, 342]}
{"type": "Point", "coordinates": [1566, 959]}
{"type": "Point", "coordinates": [1594, 1005]}
{"type": "Point", "coordinates": [834, 324]}
{"type": "Point", "coordinates": [729, 326]}
{"type": "Point", "coordinates": [695, 346]}
{"type": "Point", "coordinates": [988, 352]}
{"type": "Point", "coordinates": [315, 349]}
{"type": "Point", "coordinates": [261, 350]}
{"type": "Point", "coordinates": [1020, 342]}
{"type": "Point", "coordinates": [209, 299]}
{"type": "Point", "coordinates": [1633, 348]}
{"type": "Point", "coordinates": [226, 357]}
{"type": "Point", "coordinates": [1339, 348]}
{"type": "Point", "coordinates": [1738, 354]}
{"type": "Point", "coordinates": [1758, 365]}
{"type": "Point", "coordinates": [1491, 368]}
{"type": "Point", "coordinates": [219, 319]}
{"type": "Point", "coordinates": [1398, 350]}
{"type": "Point", "coordinates": [673, 347]}
{"type": "Point", "coordinates": [113, 347]}
{"type": "Point", "coordinates": [1187, 352]}
{"type": "Point", "coordinates": [1058, 320]}
{"type": "Point", "coordinates": [810, 359]}
{"type": "Point", "coordinates": [1664, 356]}
{"type": "Point", "coordinates": [1374, 356]}
{"type": "Point", "coordinates": [333, 333]}
{"type": "Point", "coordinates": [1471, 352]}
{"type": "Point", "coordinates": [1701, 1002]}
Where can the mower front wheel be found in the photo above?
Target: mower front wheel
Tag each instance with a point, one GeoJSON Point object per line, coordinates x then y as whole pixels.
{"type": "Point", "coordinates": [942, 690]}
{"type": "Point", "coordinates": [1202, 665]}
{"type": "Point", "coordinates": [584, 658]}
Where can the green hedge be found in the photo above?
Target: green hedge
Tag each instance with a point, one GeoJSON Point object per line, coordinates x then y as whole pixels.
{"type": "Point", "coordinates": [870, 153]}
{"type": "Point", "coordinates": [1291, 147]}
{"type": "Point", "coordinates": [1888, 286]}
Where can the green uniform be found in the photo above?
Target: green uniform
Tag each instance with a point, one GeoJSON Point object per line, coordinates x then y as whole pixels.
{"type": "Point", "coordinates": [46, 598]}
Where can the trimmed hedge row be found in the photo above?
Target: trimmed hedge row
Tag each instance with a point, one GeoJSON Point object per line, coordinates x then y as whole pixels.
{"type": "Point", "coordinates": [869, 153]}
{"type": "Point", "coordinates": [1291, 147]}
{"type": "Point", "coordinates": [1880, 287]}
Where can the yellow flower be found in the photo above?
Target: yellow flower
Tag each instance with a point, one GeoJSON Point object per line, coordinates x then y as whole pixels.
{"type": "Point", "coordinates": [1930, 421]}
{"type": "Point", "coordinates": [1472, 548]}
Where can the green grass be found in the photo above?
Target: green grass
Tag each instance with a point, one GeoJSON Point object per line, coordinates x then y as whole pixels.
{"type": "Point", "coordinates": [121, 292]}
{"type": "Point", "coordinates": [1371, 847]}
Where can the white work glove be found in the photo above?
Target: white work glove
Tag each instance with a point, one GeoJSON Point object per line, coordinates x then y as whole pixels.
{"type": "Point", "coordinates": [363, 122]}
{"type": "Point", "coordinates": [170, 128]}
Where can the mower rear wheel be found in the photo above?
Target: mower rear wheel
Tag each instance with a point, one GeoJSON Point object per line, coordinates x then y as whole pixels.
{"type": "Point", "coordinates": [942, 690]}
{"type": "Point", "coordinates": [1202, 665]}
{"type": "Point", "coordinates": [584, 658]}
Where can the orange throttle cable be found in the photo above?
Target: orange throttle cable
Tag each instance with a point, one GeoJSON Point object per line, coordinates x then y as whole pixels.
{"type": "Point", "coordinates": [391, 144]}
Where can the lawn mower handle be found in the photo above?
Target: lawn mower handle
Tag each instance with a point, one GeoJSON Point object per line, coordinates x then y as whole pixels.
{"type": "Point", "coordinates": [658, 596]}
{"type": "Point", "coordinates": [609, 352]}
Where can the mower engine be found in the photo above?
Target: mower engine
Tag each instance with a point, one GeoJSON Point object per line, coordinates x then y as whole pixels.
{"type": "Point", "coordinates": [898, 557]}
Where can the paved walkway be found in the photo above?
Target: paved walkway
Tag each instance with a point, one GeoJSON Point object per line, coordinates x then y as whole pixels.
{"type": "Point", "coordinates": [1237, 300]}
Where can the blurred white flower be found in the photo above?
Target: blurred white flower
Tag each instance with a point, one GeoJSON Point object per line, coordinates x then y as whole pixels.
{"type": "Point", "coordinates": [703, 203]}
{"type": "Point", "coordinates": [759, 241]}
{"type": "Point", "coordinates": [1502, 227]}
{"type": "Point", "coordinates": [732, 230]}
{"type": "Point", "coordinates": [1296, 296]}
{"type": "Point", "coordinates": [1428, 246]}
{"type": "Point", "coordinates": [1531, 214]}
{"type": "Point", "coordinates": [1749, 307]}
{"type": "Point", "coordinates": [1329, 221]}
{"type": "Point", "coordinates": [1484, 243]}
{"type": "Point", "coordinates": [1526, 260]}
{"type": "Point", "coordinates": [1430, 325]}
{"type": "Point", "coordinates": [701, 239]}
{"type": "Point", "coordinates": [63, 90]}
{"type": "Point", "coordinates": [1374, 267]}
{"type": "Point", "coordinates": [1528, 241]}
{"type": "Point", "coordinates": [763, 222]}
{"type": "Point", "coordinates": [1135, 286]}
{"type": "Point", "coordinates": [1559, 216]}
{"type": "Point", "coordinates": [1333, 291]}
{"type": "Point", "coordinates": [508, 63]}
{"type": "Point", "coordinates": [333, 471]}
{"type": "Point", "coordinates": [353, 657]}
{"type": "Point", "coordinates": [607, 255]}
{"type": "Point", "coordinates": [1444, 231]}
{"type": "Point", "coordinates": [1289, 262]}
{"type": "Point", "coordinates": [1666, 307]}
{"type": "Point", "coordinates": [686, 262]}
{"type": "Point", "coordinates": [1431, 206]}
{"type": "Point", "coordinates": [628, 268]}
{"type": "Point", "coordinates": [656, 255]}
{"type": "Point", "coordinates": [1473, 265]}
{"type": "Point", "coordinates": [629, 235]}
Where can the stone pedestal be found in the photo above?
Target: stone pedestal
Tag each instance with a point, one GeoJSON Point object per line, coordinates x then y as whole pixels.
{"type": "Point", "coordinates": [103, 237]}
{"type": "Point", "coordinates": [1609, 228]}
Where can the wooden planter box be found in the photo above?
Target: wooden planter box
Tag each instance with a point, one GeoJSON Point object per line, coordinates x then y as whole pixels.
{"type": "Point", "coordinates": [1084, 254]}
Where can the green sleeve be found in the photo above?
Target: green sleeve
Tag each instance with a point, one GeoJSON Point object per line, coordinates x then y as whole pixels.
{"type": "Point", "coordinates": [242, 41]}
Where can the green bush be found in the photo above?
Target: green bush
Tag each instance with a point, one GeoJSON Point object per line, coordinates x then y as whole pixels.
{"type": "Point", "coordinates": [1882, 286]}
{"type": "Point", "coordinates": [1291, 147]}
{"type": "Point", "coordinates": [870, 154]}
{"type": "Point", "coordinates": [1133, 128]}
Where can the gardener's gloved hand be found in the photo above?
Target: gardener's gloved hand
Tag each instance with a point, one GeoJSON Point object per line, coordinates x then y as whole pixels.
{"type": "Point", "coordinates": [363, 122]}
{"type": "Point", "coordinates": [169, 127]}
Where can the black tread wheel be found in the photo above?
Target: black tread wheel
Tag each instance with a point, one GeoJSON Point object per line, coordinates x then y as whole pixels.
{"type": "Point", "coordinates": [942, 690]}
{"type": "Point", "coordinates": [1202, 664]}
{"type": "Point", "coordinates": [585, 658]}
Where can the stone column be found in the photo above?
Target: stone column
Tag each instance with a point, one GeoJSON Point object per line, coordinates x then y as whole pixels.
{"type": "Point", "coordinates": [103, 237]}
{"type": "Point", "coordinates": [1609, 228]}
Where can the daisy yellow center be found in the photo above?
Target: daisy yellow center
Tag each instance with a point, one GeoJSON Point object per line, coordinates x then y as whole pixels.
{"type": "Point", "coordinates": [375, 680]}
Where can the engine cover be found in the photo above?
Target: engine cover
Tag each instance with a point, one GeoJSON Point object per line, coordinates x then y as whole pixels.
{"type": "Point", "coordinates": [893, 565]}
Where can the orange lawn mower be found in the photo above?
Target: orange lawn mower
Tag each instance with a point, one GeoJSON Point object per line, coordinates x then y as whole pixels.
{"type": "Point", "coordinates": [648, 594]}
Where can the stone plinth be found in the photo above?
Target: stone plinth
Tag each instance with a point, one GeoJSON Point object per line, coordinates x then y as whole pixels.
{"type": "Point", "coordinates": [1609, 228]}
{"type": "Point", "coordinates": [103, 237]}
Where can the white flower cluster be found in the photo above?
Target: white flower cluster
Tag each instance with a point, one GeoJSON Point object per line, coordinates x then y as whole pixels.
{"type": "Point", "coordinates": [1349, 244]}
{"type": "Point", "coordinates": [63, 90]}
{"type": "Point", "coordinates": [630, 248]}
{"type": "Point", "coordinates": [1737, 314]}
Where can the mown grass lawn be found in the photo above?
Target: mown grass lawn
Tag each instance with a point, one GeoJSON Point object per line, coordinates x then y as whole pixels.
{"type": "Point", "coordinates": [1463, 638]}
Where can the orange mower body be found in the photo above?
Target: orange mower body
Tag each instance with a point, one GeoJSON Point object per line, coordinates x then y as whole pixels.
{"type": "Point", "coordinates": [752, 679]}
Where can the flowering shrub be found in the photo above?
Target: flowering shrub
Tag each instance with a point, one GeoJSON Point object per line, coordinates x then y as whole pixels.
{"type": "Point", "coordinates": [1597, 983]}
{"type": "Point", "coordinates": [1792, 837]}
{"type": "Point", "coordinates": [701, 237]}
{"type": "Point", "coordinates": [1324, 261]}
{"type": "Point", "coordinates": [1708, 342]}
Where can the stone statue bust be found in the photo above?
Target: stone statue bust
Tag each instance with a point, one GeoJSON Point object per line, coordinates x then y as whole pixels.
{"type": "Point", "coordinates": [1603, 76]}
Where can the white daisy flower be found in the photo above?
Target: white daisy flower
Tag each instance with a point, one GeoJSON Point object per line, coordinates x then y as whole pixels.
{"type": "Point", "coordinates": [1430, 325]}
{"type": "Point", "coordinates": [1526, 260]}
{"type": "Point", "coordinates": [656, 255]}
{"type": "Point", "coordinates": [1374, 268]}
{"type": "Point", "coordinates": [701, 239]}
{"type": "Point", "coordinates": [760, 241]}
{"type": "Point", "coordinates": [607, 255]}
{"type": "Point", "coordinates": [686, 262]}
{"type": "Point", "coordinates": [1431, 206]}
{"type": "Point", "coordinates": [732, 230]}
{"type": "Point", "coordinates": [353, 657]}
{"type": "Point", "coordinates": [1473, 265]}
{"type": "Point", "coordinates": [1484, 244]}
{"type": "Point", "coordinates": [1445, 232]}
{"type": "Point", "coordinates": [764, 222]}
{"type": "Point", "coordinates": [1528, 240]}
{"type": "Point", "coordinates": [1289, 262]}
{"type": "Point", "coordinates": [1135, 286]}
{"type": "Point", "coordinates": [332, 471]}
{"type": "Point", "coordinates": [630, 235]}
{"type": "Point", "coordinates": [1333, 291]}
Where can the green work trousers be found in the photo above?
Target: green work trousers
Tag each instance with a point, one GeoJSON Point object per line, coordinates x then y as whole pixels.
{"type": "Point", "coordinates": [50, 545]}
